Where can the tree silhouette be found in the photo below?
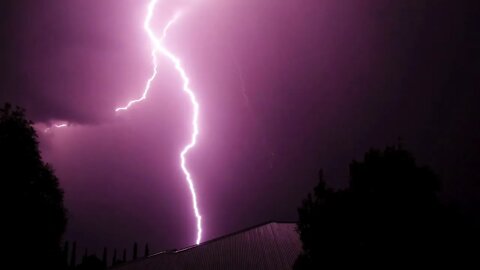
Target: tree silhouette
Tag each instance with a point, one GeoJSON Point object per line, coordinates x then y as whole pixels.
{"type": "Point", "coordinates": [73, 256]}
{"type": "Point", "coordinates": [135, 250]}
{"type": "Point", "coordinates": [34, 216]}
{"type": "Point", "coordinates": [91, 262]}
{"type": "Point", "coordinates": [147, 250]}
{"type": "Point", "coordinates": [104, 257]}
{"type": "Point", "coordinates": [389, 213]}
{"type": "Point", "coordinates": [114, 257]}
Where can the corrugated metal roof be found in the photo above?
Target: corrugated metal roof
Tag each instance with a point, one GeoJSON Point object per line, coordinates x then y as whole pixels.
{"type": "Point", "coordinates": [267, 246]}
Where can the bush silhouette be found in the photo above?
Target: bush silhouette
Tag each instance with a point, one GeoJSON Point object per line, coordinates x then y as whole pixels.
{"type": "Point", "coordinates": [91, 262]}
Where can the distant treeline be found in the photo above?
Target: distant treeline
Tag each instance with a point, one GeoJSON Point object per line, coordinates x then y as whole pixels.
{"type": "Point", "coordinates": [92, 261]}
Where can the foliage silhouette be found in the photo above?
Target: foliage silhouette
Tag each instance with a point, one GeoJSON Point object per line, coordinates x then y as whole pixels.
{"type": "Point", "coordinates": [135, 251]}
{"type": "Point", "coordinates": [104, 257]}
{"type": "Point", "coordinates": [73, 256]}
{"type": "Point", "coordinates": [34, 216]}
{"type": "Point", "coordinates": [147, 250]}
{"type": "Point", "coordinates": [91, 262]}
{"type": "Point", "coordinates": [114, 257]}
{"type": "Point", "coordinates": [390, 213]}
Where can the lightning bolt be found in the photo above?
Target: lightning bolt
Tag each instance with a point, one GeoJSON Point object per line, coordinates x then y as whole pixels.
{"type": "Point", "coordinates": [158, 48]}
{"type": "Point", "coordinates": [56, 126]}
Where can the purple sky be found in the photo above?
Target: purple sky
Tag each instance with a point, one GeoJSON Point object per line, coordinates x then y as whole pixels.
{"type": "Point", "coordinates": [285, 87]}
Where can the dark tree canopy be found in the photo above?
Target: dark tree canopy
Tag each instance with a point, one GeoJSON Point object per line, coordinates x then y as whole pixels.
{"type": "Point", "coordinates": [390, 212]}
{"type": "Point", "coordinates": [91, 262]}
{"type": "Point", "coordinates": [34, 213]}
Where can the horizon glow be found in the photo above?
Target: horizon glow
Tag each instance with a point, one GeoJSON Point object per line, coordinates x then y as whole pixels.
{"type": "Point", "coordinates": [157, 47]}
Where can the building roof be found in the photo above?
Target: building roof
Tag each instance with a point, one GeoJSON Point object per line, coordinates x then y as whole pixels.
{"type": "Point", "coordinates": [273, 245]}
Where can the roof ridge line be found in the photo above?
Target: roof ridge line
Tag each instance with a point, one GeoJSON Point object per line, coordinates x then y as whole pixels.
{"type": "Point", "coordinates": [220, 237]}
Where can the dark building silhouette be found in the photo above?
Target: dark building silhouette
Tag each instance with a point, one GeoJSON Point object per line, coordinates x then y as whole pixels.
{"type": "Point", "coordinates": [272, 245]}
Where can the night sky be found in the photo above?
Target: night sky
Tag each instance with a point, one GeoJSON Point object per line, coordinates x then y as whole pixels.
{"type": "Point", "coordinates": [285, 88]}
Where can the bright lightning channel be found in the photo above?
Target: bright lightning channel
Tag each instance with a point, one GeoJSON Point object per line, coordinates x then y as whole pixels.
{"type": "Point", "coordinates": [157, 47]}
{"type": "Point", "coordinates": [56, 126]}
